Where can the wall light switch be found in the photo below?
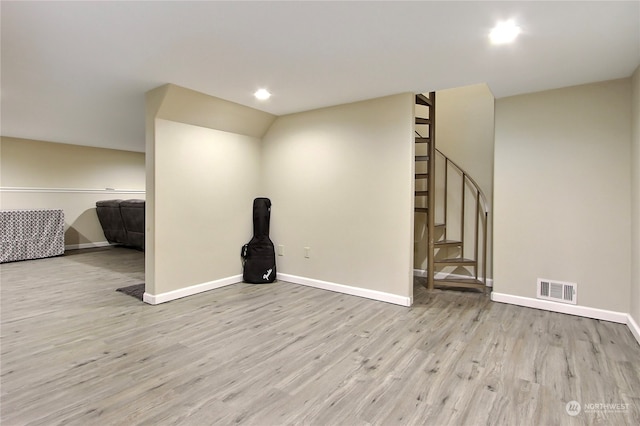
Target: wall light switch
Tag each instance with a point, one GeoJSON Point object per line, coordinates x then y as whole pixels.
{"type": "Point", "coordinates": [280, 250]}
{"type": "Point", "coordinates": [307, 252]}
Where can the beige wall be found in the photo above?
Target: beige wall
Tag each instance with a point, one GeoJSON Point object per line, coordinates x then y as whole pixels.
{"type": "Point", "coordinates": [37, 174]}
{"type": "Point", "coordinates": [203, 173]}
{"type": "Point", "coordinates": [205, 183]}
{"type": "Point", "coordinates": [465, 131]}
{"type": "Point", "coordinates": [561, 195]}
{"type": "Point", "coordinates": [340, 180]}
{"type": "Point", "coordinates": [153, 102]}
{"type": "Point", "coordinates": [635, 198]}
{"type": "Point", "coordinates": [188, 106]}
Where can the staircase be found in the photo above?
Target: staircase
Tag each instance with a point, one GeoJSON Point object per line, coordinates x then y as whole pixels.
{"type": "Point", "coordinates": [450, 209]}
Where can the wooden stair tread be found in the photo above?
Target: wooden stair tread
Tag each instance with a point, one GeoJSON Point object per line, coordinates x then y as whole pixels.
{"type": "Point", "coordinates": [422, 120]}
{"type": "Point", "coordinates": [421, 193]}
{"type": "Point", "coordinates": [456, 261]}
{"type": "Point", "coordinates": [422, 158]}
{"type": "Point", "coordinates": [422, 175]}
{"type": "Point", "coordinates": [459, 282]}
{"type": "Point", "coordinates": [421, 140]}
{"type": "Point", "coordinates": [450, 243]}
{"type": "Point", "coordinates": [423, 100]}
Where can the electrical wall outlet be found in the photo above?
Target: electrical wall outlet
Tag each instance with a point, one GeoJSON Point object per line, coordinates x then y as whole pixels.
{"type": "Point", "coordinates": [307, 252]}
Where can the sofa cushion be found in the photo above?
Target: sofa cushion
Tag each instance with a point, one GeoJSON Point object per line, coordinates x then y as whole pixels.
{"type": "Point", "coordinates": [133, 217]}
{"type": "Point", "coordinates": [111, 221]}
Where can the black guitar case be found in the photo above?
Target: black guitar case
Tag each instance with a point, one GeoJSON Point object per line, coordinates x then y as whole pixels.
{"type": "Point", "coordinates": [258, 256]}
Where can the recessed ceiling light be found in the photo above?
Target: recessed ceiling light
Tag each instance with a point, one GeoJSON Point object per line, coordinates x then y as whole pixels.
{"type": "Point", "coordinates": [262, 94]}
{"type": "Point", "coordinates": [504, 32]}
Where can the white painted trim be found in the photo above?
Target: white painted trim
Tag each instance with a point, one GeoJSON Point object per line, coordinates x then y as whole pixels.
{"type": "Point", "coordinates": [633, 326]}
{"type": "Point", "coordinates": [420, 273]}
{"type": "Point", "coordinates": [563, 308]}
{"type": "Point", "coordinates": [423, 273]}
{"type": "Point", "coordinates": [72, 190]}
{"type": "Point", "coordinates": [156, 299]}
{"type": "Point", "coordinates": [86, 245]}
{"type": "Point", "coordinates": [346, 289]}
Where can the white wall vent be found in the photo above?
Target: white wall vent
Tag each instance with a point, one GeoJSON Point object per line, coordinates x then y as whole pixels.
{"type": "Point", "coordinates": [558, 291]}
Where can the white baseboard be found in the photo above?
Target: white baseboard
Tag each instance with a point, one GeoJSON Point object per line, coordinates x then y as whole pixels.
{"type": "Point", "coordinates": [86, 245]}
{"type": "Point", "coordinates": [581, 311]}
{"type": "Point", "coordinates": [155, 299]}
{"type": "Point", "coordinates": [633, 326]}
{"type": "Point", "coordinates": [339, 288]}
{"type": "Point", "coordinates": [440, 275]}
{"type": "Point", "coordinates": [346, 289]}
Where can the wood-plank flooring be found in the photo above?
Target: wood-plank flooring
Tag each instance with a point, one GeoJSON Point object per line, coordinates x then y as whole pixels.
{"type": "Point", "coordinates": [76, 352]}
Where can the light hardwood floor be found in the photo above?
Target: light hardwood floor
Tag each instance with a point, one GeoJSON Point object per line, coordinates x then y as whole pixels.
{"type": "Point", "coordinates": [75, 352]}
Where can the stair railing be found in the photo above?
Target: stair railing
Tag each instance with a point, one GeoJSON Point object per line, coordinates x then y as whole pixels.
{"type": "Point", "coordinates": [481, 211]}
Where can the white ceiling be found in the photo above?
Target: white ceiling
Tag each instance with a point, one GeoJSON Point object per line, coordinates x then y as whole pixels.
{"type": "Point", "coordinates": [77, 72]}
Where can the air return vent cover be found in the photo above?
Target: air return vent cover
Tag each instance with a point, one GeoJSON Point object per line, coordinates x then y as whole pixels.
{"type": "Point", "coordinates": [558, 291]}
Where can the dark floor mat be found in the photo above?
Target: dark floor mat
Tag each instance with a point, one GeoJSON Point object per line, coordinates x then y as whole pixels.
{"type": "Point", "coordinates": [136, 290]}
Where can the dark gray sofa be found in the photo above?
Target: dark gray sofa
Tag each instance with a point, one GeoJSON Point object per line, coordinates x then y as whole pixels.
{"type": "Point", "coordinates": [122, 221]}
